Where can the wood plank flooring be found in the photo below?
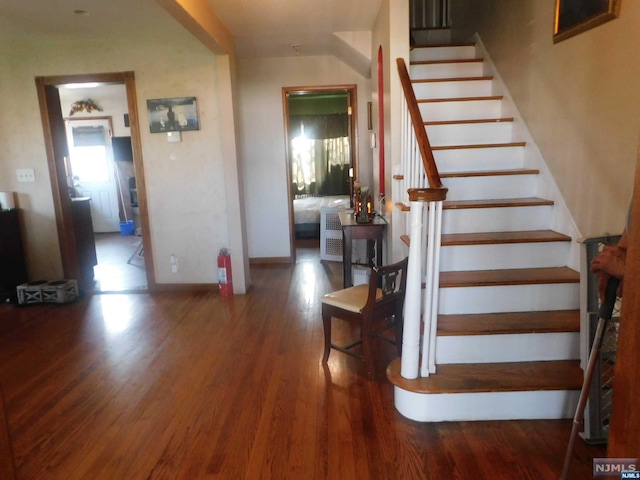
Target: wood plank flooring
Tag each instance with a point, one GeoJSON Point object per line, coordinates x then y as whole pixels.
{"type": "Point", "coordinates": [196, 386]}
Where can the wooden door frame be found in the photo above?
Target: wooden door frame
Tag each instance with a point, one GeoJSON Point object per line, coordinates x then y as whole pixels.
{"type": "Point", "coordinates": [61, 199]}
{"type": "Point", "coordinates": [352, 91]}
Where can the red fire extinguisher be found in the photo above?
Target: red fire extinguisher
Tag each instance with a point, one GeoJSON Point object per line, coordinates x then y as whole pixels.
{"type": "Point", "coordinates": [225, 279]}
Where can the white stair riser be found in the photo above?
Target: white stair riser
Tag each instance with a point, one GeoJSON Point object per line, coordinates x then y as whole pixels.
{"type": "Point", "coordinates": [496, 186]}
{"type": "Point", "coordinates": [460, 110]}
{"type": "Point", "coordinates": [522, 347]}
{"type": "Point", "coordinates": [446, 70]}
{"type": "Point", "coordinates": [470, 159]}
{"type": "Point", "coordinates": [460, 258]}
{"type": "Point", "coordinates": [470, 133]}
{"type": "Point", "coordinates": [457, 89]}
{"type": "Point", "coordinates": [509, 298]}
{"type": "Point", "coordinates": [504, 219]}
{"type": "Point", "coordinates": [452, 407]}
{"type": "Point", "coordinates": [443, 53]}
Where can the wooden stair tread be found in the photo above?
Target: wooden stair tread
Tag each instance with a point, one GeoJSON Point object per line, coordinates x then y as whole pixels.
{"type": "Point", "coordinates": [445, 45]}
{"type": "Point", "coordinates": [478, 145]}
{"type": "Point", "coordinates": [439, 62]}
{"type": "Point", "coordinates": [496, 202]}
{"type": "Point", "coordinates": [512, 276]}
{"type": "Point", "coordinates": [493, 377]}
{"type": "Point", "coordinates": [471, 121]}
{"type": "Point", "coordinates": [460, 99]}
{"type": "Point", "coordinates": [451, 79]}
{"type": "Point", "coordinates": [489, 238]}
{"type": "Point", "coordinates": [509, 323]}
{"type": "Point", "coordinates": [491, 203]}
{"type": "Point", "coordinates": [490, 173]}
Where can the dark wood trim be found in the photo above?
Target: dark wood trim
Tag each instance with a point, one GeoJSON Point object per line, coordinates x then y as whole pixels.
{"type": "Point", "coordinates": [624, 440]}
{"type": "Point", "coordinates": [427, 194]}
{"type": "Point", "coordinates": [426, 152]}
{"type": "Point", "coordinates": [50, 107]}
{"type": "Point", "coordinates": [451, 79]}
{"type": "Point", "coordinates": [352, 93]}
{"type": "Point", "coordinates": [461, 99]}
{"type": "Point", "coordinates": [480, 145]}
{"type": "Point", "coordinates": [467, 122]}
{"type": "Point", "coordinates": [62, 203]}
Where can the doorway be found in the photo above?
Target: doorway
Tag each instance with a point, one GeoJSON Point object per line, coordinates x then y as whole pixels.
{"type": "Point", "coordinates": [93, 170]}
{"type": "Point", "coordinates": [321, 150]}
{"type": "Point", "coordinates": [106, 205]}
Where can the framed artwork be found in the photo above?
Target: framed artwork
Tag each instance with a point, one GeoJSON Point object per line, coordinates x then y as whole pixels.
{"type": "Point", "coordinates": [173, 114]}
{"type": "Point", "coordinates": [576, 16]}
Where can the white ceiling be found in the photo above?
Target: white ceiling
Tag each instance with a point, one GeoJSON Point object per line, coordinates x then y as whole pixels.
{"type": "Point", "coordinates": [260, 27]}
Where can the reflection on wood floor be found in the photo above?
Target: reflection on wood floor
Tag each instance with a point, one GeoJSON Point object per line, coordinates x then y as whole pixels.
{"type": "Point", "coordinates": [120, 263]}
{"type": "Point", "coordinates": [198, 386]}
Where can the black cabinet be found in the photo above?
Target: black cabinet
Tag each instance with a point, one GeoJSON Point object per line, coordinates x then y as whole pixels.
{"type": "Point", "coordinates": [13, 268]}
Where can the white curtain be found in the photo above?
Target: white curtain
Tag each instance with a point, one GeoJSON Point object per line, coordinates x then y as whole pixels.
{"type": "Point", "coordinates": [320, 166]}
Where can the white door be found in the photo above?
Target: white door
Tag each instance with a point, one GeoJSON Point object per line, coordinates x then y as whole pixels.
{"type": "Point", "coordinates": [93, 170]}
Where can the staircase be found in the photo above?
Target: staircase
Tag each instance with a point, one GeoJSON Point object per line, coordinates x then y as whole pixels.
{"type": "Point", "coordinates": [507, 341]}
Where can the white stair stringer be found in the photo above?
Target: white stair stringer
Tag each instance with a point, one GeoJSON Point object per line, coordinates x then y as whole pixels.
{"type": "Point", "coordinates": [519, 405]}
{"type": "Point", "coordinates": [471, 124]}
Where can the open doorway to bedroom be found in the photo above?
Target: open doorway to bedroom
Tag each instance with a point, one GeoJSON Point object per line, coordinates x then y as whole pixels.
{"type": "Point", "coordinates": [321, 143]}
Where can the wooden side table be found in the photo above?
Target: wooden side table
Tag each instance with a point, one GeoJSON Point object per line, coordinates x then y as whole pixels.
{"type": "Point", "coordinates": [351, 230]}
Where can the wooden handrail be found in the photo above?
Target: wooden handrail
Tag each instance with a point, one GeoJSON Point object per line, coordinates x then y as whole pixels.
{"type": "Point", "coordinates": [427, 194]}
{"type": "Point", "coordinates": [428, 160]}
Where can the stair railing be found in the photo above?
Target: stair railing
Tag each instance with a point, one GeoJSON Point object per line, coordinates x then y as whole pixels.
{"type": "Point", "coordinates": [422, 183]}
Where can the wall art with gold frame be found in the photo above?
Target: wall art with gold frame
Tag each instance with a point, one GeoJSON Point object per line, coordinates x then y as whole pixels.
{"type": "Point", "coordinates": [576, 16]}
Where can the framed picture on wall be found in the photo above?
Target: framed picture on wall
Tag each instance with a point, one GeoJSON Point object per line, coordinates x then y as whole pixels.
{"type": "Point", "coordinates": [576, 16]}
{"type": "Point", "coordinates": [173, 114]}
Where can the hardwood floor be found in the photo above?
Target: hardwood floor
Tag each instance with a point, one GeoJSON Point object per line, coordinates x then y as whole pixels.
{"type": "Point", "coordinates": [191, 386]}
{"type": "Point", "coordinates": [120, 263]}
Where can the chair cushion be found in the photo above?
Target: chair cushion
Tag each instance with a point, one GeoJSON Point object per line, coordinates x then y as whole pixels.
{"type": "Point", "coordinates": [352, 299]}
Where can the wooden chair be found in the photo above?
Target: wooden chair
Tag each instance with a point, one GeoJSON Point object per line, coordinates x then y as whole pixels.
{"type": "Point", "coordinates": [377, 307]}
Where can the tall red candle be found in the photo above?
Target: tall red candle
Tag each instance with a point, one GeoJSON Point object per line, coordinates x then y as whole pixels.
{"type": "Point", "coordinates": [381, 120]}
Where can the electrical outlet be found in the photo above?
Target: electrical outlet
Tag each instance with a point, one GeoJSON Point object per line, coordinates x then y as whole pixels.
{"type": "Point", "coordinates": [174, 264]}
{"type": "Point", "coordinates": [26, 175]}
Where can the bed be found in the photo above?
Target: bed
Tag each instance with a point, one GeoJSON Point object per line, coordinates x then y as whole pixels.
{"type": "Point", "coordinates": [307, 213]}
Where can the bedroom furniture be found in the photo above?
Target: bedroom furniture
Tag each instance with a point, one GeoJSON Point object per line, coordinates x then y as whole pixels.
{"type": "Point", "coordinates": [307, 213]}
{"type": "Point", "coordinates": [85, 241]}
{"type": "Point", "coordinates": [376, 309]}
{"type": "Point", "coordinates": [351, 230]}
{"type": "Point", "coordinates": [13, 267]}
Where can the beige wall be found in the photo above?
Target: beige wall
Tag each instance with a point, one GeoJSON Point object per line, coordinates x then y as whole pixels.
{"type": "Point", "coordinates": [580, 98]}
{"type": "Point", "coordinates": [185, 181]}
{"type": "Point", "coordinates": [260, 83]}
{"type": "Point", "coordinates": [391, 31]}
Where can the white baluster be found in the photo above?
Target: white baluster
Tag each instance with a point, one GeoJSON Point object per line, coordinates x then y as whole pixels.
{"type": "Point", "coordinates": [410, 361]}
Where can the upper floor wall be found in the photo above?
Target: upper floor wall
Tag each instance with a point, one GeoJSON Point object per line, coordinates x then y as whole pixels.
{"type": "Point", "coordinates": [580, 98]}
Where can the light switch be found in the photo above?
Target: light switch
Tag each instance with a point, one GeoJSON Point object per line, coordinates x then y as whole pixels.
{"type": "Point", "coordinates": [26, 175]}
{"type": "Point", "coordinates": [174, 137]}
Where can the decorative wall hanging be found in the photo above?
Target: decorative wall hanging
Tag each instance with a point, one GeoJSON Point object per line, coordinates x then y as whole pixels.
{"type": "Point", "coordinates": [87, 105]}
{"type": "Point", "coordinates": [172, 114]}
{"type": "Point", "coordinates": [576, 16]}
